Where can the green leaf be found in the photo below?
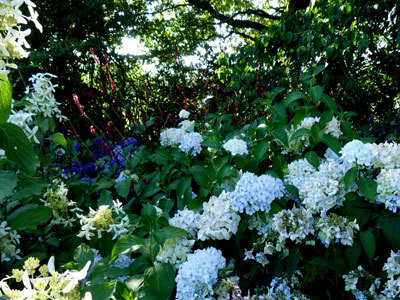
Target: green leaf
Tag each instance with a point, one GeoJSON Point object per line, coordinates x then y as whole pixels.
{"type": "Point", "coordinates": [281, 135]}
{"type": "Point", "coordinates": [329, 102]}
{"type": "Point", "coordinates": [135, 282]}
{"type": "Point", "coordinates": [332, 143]}
{"type": "Point", "coordinates": [316, 92]}
{"type": "Point", "coordinates": [161, 235]}
{"type": "Point", "coordinates": [292, 189]}
{"type": "Point", "coordinates": [260, 149]}
{"type": "Point", "coordinates": [292, 261]}
{"type": "Point", "coordinates": [27, 218]}
{"type": "Point", "coordinates": [5, 98]}
{"type": "Point", "coordinates": [293, 96]}
{"type": "Point", "coordinates": [367, 187]}
{"type": "Point", "coordinates": [127, 244]}
{"type": "Point", "coordinates": [123, 188]}
{"type": "Point", "coordinates": [318, 70]}
{"type": "Point", "coordinates": [17, 147]}
{"type": "Point", "coordinates": [83, 254]}
{"type": "Point", "coordinates": [300, 132]}
{"type": "Point", "coordinates": [200, 175]}
{"type": "Point", "coordinates": [8, 181]}
{"type": "Point", "coordinates": [58, 138]}
{"type": "Point", "coordinates": [280, 111]}
{"type": "Point", "coordinates": [279, 164]}
{"type": "Point", "coordinates": [147, 293]}
{"type": "Point", "coordinates": [312, 158]}
{"type": "Point", "coordinates": [368, 244]}
{"type": "Point", "coordinates": [103, 291]}
{"type": "Point", "coordinates": [161, 279]}
{"type": "Point", "coordinates": [350, 177]}
{"type": "Point", "coordinates": [352, 255]}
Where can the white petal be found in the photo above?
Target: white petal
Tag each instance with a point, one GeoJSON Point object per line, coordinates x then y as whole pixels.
{"type": "Point", "coordinates": [25, 280]}
{"type": "Point", "coordinates": [50, 265]}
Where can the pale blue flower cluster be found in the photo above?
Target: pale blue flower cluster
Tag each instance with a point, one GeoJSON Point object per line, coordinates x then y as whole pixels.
{"type": "Point", "coordinates": [191, 141]}
{"type": "Point", "coordinates": [255, 193]}
{"type": "Point", "coordinates": [198, 274]}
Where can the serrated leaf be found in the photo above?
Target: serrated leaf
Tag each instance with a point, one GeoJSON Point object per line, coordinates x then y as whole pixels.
{"type": "Point", "coordinates": [368, 243]}
{"type": "Point", "coordinates": [59, 138]}
{"type": "Point", "coordinates": [293, 96]}
{"type": "Point", "coordinates": [368, 187]}
{"type": "Point", "coordinates": [332, 143]}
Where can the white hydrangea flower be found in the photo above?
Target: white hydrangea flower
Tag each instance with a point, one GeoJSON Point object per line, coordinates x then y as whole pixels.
{"type": "Point", "coordinates": [9, 240]}
{"type": "Point", "coordinates": [334, 228]}
{"type": "Point", "coordinates": [299, 170]}
{"type": "Point", "coordinates": [105, 219]}
{"type": "Point", "coordinates": [171, 137]}
{"type": "Point", "coordinates": [24, 120]}
{"type": "Point", "coordinates": [175, 251]}
{"type": "Point", "coordinates": [392, 265]}
{"type": "Point", "coordinates": [218, 220]}
{"type": "Point", "coordinates": [187, 220]}
{"type": "Point", "coordinates": [294, 224]}
{"type": "Point", "coordinates": [386, 155]}
{"type": "Point", "coordinates": [127, 174]}
{"type": "Point", "coordinates": [198, 274]}
{"type": "Point", "coordinates": [388, 191]}
{"type": "Point", "coordinates": [255, 193]}
{"type": "Point", "coordinates": [187, 125]}
{"type": "Point", "coordinates": [357, 153]}
{"type": "Point", "coordinates": [184, 114]}
{"type": "Point", "coordinates": [333, 127]}
{"type": "Point", "coordinates": [236, 147]}
{"type": "Point", "coordinates": [191, 141]}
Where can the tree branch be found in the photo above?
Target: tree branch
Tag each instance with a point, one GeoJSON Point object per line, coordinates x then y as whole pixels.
{"type": "Point", "coordinates": [204, 5]}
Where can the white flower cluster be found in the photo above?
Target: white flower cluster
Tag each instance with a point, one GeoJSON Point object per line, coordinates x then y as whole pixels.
{"type": "Point", "coordinates": [105, 219]}
{"type": "Point", "coordinates": [56, 198]}
{"type": "Point", "coordinates": [187, 220]}
{"type": "Point", "coordinates": [41, 102]}
{"type": "Point", "coordinates": [236, 147]}
{"type": "Point", "coordinates": [294, 224]}
{"type": "Point", "coordinates": [334, 228]}
{"type": "Point", "coordinates": [392, 265]}
{"type": "Point", "coordinates": [357, 153]}
{"type": "Point", "coordinates": [297, 145]}
{"type": "Point", "coordinates": [386, 155]}
{"type": "Point", "coordinates": [388, 191]}
{"type": "Point", "coordinates": [322, 189]}
{"type": "Point", "coordinates": [218, 220]}
{"type": "Point", "coordinates": [184, 114]}
{"type": "Point", "coordinates": [48, 285]}
{"type": "Point", "coordinates": [255, 193]}
{"type": "Point", "coordinates": [175, 251]}
{"type": "Point", "coordinates": [9, 240]}
{"type": "Point", "coordinates": [13, 44]}
{"type": "Point", "coordinates": [41, 96]}
{"type": "Point", "coordinates": [171, 137]}
{"type": "Point", "coordinates": [299, 170]}
{"type": "Point", "coordinates": [191, 141]}
{"type": "Point", "coordinates": [279, 289]}
{"type": "Point", "coordinates": [198, 274]}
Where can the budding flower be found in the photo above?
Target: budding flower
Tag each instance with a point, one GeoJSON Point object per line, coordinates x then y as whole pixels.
{"type": "Point", "coordinates": [76, 100]}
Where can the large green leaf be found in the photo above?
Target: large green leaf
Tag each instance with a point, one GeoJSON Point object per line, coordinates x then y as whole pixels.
{"type": "Point", "coordinates": [161, 235]}
{"type": "Point", "coordinates": [350, 177]}
{"type": "Point", "coordinates": [300, 132]}
{"type": "Point", "coordinates": [5, 99]}
{"type": "Point", "coordinates": [312, 158]}
{"type": "Point", "coordinates": [316, 92]}
{"type": "Point", "coordinates": [28, 218]}
{"type": "Point", "coordinates": [103, 291]}
{"type": "Point", "coordinates": [161, 279]}
{"type": "Point", "coordinates": [368, 243]}
{"type": "Point", "coordinates": [367, 187]}
{"type": "Point", "coordinates": [281, 135]}
{"type": "Point", "coordinates": [18, 148]}
{"type": "Point", "coordinates": [83, 254]}
{"type": "Point", "coordinates": [123, 188]}
{"type": "Point", "coordinates": [125, 245]}
{"type": "Point", "coordinates": [293, 96]}
{"type": "Point", "coordinates": [260, 149]}
{"type": "Point", "coordinates": [8, 181]}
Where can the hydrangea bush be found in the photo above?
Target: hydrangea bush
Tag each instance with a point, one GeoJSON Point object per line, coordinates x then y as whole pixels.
{"type": "Point", "coordinates": [291, 204]}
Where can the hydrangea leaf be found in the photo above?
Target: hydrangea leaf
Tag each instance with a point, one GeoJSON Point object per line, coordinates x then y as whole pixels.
{"type": "Point", "coordinates": [368, 243]}
{"type": "Point", "coordinates": [367, 187]}
{"type": "Point", "coordinates": [161, 280]}
{"type": "Point", "coordinates": [8, 181]}
{"type": "Point", "coordinates": [29, 218]}
{"type": "Point", "coordinates": [5, 99]}
{"type": "Point", "coordinates": [59, 139]}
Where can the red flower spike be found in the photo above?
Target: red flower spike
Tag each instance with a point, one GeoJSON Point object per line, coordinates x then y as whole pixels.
{"type": "Point", "coordinates": [76, 100]}
{"type": "Point", "coordinates": [92, 130]}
